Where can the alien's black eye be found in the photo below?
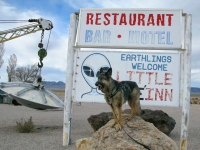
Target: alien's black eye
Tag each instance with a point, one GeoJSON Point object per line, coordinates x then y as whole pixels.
{"type": "Point", "coordinates": [88, 71]}
{"type": "Point", "coordinates": [105, 69]}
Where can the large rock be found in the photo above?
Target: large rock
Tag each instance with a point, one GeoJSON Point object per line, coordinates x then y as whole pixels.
{"type": "Point", "coordinates": [107, 138]}
{"type": "Point", "coordinates": [97, 121]}
{"type": "Point", "coordinates": [160, 120]}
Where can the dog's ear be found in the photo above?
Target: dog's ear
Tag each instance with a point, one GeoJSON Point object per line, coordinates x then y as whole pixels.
{"type": "Point", "coordinates": [101, 70]}
{"type": "Point", "coordinates": [109, 72]}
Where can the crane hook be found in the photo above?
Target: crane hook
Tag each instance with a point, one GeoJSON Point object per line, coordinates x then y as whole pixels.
{"type": "Point", "coordinates": [41, 53]}
{"type": "Point", "coordinates": [41, 64]}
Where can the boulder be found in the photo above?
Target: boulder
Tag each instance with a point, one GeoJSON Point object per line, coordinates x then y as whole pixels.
{"type": "Point", "coordinates": [160, 120]}
{"type": "Point", "coordinates": [97, 121]}
{"type": "Point", "coordinates": [107, 138]}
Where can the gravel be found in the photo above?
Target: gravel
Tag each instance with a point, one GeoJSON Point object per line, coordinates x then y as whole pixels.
{"type": "Point", "coordinates": [48, 132]}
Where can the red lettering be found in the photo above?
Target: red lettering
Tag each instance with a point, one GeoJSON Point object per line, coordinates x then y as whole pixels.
{"type": "Point", "coordinates": [132, 19]}
{"type": "Point", "coordinates": [130, 74]}
{"type": "Point", "coordinates": [123, 19]}
{"type": "Point", "coordinates": [169, 19]}
{"type": "Point", "coordinates": [150, 20]}
{"type": "Point", "coordinates": [106, 15]}
{"type": "Point", "coordinates": [160, 19]}
{"type": "Point", "coordinates": [89, 19]}
{"type": "Point", "coordinates": [166, 78]}
{"type": "Point", "coordinates": [97, 19]}
{"type": "Point", "coordinates": [149, 79]}
{"type": "Point", "coordinates": [156, 78]}
{"type": "Point", "coordinates": [117, 77]}
{"type": "Point", "coordinates": [115, 18]}
{"type": "Point", "coordinates": [141, 19]}
{"type": "Point", "coordinates": [140, 76]}
{"type": "Point", "coordinates": [159, 94]}
{"type": "Point", "coordinates": [168, 94]}
{"type": "Point", "coordinates": [149, 94]}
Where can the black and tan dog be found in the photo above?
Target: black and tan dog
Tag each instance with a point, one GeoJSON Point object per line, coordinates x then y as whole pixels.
{"type": "Point", "coordinates": [117, 93]}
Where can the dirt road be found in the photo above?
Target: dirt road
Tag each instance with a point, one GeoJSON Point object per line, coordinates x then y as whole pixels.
{"type": "Point", "coordinates": [49, 126]}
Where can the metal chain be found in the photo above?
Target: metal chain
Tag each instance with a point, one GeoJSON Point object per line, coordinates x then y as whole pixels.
{"type": "Point", "coordinates": [39, 72]}
{"type": "Point", "coordinates": [42, 36]}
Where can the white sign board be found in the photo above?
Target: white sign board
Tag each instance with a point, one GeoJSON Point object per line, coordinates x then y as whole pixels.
{"type": "Point", "coordinates": [157, 75]}
{"type": "Point", "coordinates": [129, 28]}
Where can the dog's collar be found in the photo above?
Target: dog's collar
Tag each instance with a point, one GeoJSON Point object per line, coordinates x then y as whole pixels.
{"type": "Point", "coordinates": [113, 92]}
{"type": "Point", "coordinates": [120, 86]}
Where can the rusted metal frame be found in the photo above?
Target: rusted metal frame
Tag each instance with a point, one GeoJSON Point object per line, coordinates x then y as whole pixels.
{"type": "Point", "coordinates": [76, 65]}
{"type": "Point", "coordinates": [187, 79]}
{"type": "Point", "coordinates": [69, 82]}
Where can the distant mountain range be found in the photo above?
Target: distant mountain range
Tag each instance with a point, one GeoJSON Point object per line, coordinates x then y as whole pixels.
{"type": "Point", "coordinates": [195, 90]}
{"type": "Point", "coordinates": [61, 85]}
{"type": "Point", "coordinates": [54, 85]}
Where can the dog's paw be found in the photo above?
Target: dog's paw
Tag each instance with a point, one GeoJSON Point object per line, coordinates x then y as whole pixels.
{"type": "Point", "coordinates": [128, 118]}
{"type": "Point", "coordinates": [118, 127]}
{"type": "Point", "coordinates": [113, 123]}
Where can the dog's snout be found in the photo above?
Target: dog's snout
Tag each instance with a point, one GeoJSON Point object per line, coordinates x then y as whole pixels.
{"type": "Point", "coordinates": [96, 83]}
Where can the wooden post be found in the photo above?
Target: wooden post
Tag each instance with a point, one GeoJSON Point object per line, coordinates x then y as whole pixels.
{"type": "Point", "coordinates": [187, 79]}
{"type": "Point", "coordinates": [69, 82]}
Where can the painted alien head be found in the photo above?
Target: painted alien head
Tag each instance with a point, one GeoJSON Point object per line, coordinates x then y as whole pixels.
{"type": "Point", "coordinates": [91, 67]}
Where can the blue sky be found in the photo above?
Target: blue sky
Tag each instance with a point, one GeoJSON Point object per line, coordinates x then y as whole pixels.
{"type": "Point", "coordinates": [58, 11]}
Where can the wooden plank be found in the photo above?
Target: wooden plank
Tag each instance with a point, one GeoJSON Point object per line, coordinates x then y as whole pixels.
{"type": "Point", "coordinates": [69, 82]}
{"type": "Point", "coordinates": [187, 79]}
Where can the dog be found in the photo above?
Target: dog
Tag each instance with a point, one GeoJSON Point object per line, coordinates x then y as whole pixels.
{"type": "Point", "coordinates": [117, 93]}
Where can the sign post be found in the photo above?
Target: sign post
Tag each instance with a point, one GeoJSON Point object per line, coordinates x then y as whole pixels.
{"type": "Point", "coordinates": [69, 82]}
{"type": "Point", "coordinates": [187, 78]}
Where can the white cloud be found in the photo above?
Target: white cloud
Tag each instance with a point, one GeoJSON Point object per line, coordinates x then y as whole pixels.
{"type": "Point", "coordinates": [57, 57]}
{"type": "Point", "coordinates": [77, 4]}
{"type": "Point", "coordinates": [26, 47]}
{"type": "Point", "coordinates": [195, 75]}
{"type": "Point", "coordinates": [195, 71]}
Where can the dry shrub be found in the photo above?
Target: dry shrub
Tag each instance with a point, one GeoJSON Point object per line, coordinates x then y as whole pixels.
{"type": "Point", "coordinates": [24, 126]}
{"type": "Point", "coordinates": [59, 92]}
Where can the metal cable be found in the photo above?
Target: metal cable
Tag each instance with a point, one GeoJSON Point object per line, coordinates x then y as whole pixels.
{"type": "Point", "coordinates": [48, 40]}
{"type": "Point", "coordinates": [13, 21]}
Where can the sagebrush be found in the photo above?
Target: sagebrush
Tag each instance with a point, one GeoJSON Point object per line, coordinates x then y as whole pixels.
{"type": "Point", "coordinates": [24, 126]}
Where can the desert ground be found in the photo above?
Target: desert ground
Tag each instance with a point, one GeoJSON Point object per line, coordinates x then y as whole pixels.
{"type": "Point", "coordinates": [48, 134]}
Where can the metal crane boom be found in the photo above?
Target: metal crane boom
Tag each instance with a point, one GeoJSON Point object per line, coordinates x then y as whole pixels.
{"type": "Point", "coordinates": [39, 24]}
